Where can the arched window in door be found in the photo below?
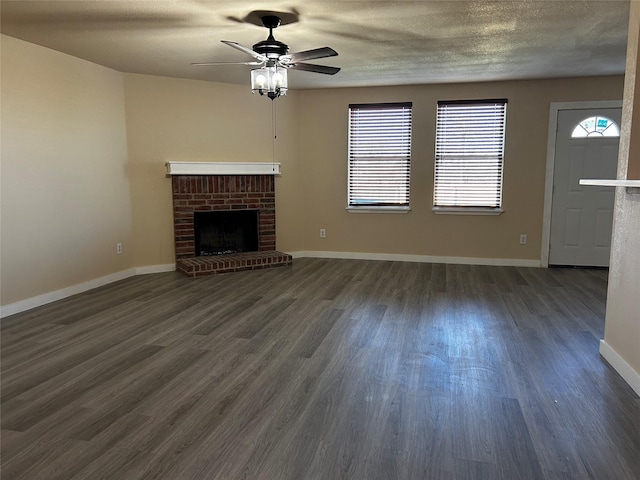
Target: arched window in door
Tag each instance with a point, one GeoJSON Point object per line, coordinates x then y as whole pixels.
{"type": "Point", "coordinates": [596, 127]}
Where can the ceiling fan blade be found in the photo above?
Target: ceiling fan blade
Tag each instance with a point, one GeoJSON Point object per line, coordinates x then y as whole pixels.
{"type": "Point", "coordinates": [246, 50]}
{"type": "Point", "coordinates": [200, 64]}
{"type": "Point", "coordinates": [310, 67]}
{"type": "Point", "coordinates": [312, 54]}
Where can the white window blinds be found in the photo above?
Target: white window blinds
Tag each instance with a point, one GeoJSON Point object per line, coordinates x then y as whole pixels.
{"type": "Point", "coordinates": [379, 154]}
{"type": "Point", "coordinates": [469, 153]}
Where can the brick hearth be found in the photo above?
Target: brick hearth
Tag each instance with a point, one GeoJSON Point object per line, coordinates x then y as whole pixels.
{"type": "Point", "coordinates": [234, 262]}
{"type": "Point", "coordinates": [206, 193]}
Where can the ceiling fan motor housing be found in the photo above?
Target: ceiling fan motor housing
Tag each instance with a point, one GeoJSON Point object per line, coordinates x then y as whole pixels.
{"type": "Point", "coordinates": [271, 48]}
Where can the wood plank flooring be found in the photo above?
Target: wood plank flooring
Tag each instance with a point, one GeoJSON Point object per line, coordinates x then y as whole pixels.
{"type": "Point", "coordinates": [330, 369]}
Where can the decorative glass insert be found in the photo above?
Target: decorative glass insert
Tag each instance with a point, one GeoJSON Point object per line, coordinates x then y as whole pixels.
{"type": "Point", "coordinates": [596, 127]}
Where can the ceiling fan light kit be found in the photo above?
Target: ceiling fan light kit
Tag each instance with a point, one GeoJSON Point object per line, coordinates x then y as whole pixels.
{"type": "Point", "coordinates": [273, 59]}
{"type": "Point", "coordinates": [270, 81]}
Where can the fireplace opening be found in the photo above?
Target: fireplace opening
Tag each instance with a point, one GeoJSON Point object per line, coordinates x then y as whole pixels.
{"type": "Point", "coordinates": [224, 232]}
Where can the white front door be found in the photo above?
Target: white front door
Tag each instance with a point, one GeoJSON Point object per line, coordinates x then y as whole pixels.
{"type": "Point", "coordinates": [582, 216]}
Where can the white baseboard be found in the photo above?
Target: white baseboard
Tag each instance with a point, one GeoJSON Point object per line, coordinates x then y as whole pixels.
{"type": "Point", "coordinates": [169, 267]}
{"type": "Point", "coordinates": [396, 257]}
{"type": "Point", "coordinates": [50, 297]}
{"type": "Point", "coordinates": [619, 364]}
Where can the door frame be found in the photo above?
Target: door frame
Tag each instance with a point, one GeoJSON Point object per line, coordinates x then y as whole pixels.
{"type": "Point", "coordinates": [554, 110]}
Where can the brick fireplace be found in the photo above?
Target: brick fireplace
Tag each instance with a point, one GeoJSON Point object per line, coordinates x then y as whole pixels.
{"type": "Point", "coordinates": [207, 193]}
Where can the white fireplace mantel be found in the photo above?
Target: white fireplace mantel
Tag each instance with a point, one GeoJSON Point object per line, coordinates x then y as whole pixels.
{"type": "Point", "coordinates": [223, 168]}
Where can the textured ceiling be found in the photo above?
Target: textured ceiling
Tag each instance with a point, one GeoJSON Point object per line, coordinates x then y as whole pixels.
{"type": "Point", "coordinates": [379, 43]}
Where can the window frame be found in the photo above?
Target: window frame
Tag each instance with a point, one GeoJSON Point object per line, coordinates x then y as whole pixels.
{"type": "Point", "coordinates": [403, 169]}
{"type": "Point", "coordinates": [497, 154]}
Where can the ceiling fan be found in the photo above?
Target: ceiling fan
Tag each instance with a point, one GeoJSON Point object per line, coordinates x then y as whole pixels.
{"type": "Point", "coordinates": [273, 60]}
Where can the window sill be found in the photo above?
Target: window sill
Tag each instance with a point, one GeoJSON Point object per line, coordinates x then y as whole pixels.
{"type": "Point", "coordinates": [380, 209]}
{"type": "Point", "coordinates": [467, 211]}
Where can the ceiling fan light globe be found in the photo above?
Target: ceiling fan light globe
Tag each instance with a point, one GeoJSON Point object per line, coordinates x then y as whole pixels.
{"type": "Point", "coordinates": [259, 79]}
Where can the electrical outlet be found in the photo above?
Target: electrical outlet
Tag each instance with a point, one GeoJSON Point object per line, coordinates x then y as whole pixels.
{"type": "Point", "coordinates": [523, 239]}
{"type": "Point", "coordinates": [119, 248]}
{"type": "Point", "coordinates": [323, 233]}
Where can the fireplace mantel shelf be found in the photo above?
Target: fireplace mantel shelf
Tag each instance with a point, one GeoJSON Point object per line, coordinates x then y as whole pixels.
{"type": "Point", "coordinates": [223, 168]}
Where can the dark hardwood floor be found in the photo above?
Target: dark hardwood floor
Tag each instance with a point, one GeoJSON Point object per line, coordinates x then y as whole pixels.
{"type": "Point", "coordinates": [330, 369]}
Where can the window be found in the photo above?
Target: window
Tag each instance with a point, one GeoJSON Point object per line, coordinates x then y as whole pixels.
{"type": "Point", "coordinates": [379, 156]}
{"type": "Point", "coordinates": [469, 156]}
{"type": "Point", "coordinates": [596, 127]}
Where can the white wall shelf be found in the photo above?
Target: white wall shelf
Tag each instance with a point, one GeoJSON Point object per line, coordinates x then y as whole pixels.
{"type": "Point", "coordinates": [223, 168]}
{"type": "Point", "coordinates": [609, 183]}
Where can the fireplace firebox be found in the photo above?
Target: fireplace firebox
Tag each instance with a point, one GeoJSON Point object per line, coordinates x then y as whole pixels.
{"type": "Point", "coordinates": [225, 232]}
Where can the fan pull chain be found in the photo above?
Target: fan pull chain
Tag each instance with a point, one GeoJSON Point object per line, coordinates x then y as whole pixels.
{"type": "Point", "coordinates": [273, 127]}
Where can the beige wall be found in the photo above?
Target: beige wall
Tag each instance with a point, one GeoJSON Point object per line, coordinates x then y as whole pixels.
{"type": "Point", "coordinates": [64, 187]}
{"type": "Point", "coordinates": [187, 120]}
{"type": "Point", "coordinates": [633, 167]}
{"type": "Point", "coordinates": [622, 326]}
{"type": "Point", "coordinates": [323, 157]}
